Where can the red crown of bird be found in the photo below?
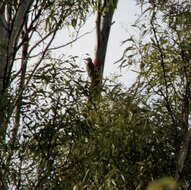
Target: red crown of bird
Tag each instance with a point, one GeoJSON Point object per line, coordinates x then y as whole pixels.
{"type": "Point", "coordinates": [95, 62]}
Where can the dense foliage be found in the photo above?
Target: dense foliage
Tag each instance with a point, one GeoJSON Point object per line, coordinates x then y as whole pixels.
{"type": "Point", "coordinates": [67, 143]}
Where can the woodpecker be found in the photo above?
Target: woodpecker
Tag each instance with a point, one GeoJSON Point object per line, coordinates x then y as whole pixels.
{"type": "Point", "coordinates": [91, 69]}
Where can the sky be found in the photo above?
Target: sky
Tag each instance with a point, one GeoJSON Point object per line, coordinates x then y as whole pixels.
{"type": "Point", "coordinates": [125, 15]}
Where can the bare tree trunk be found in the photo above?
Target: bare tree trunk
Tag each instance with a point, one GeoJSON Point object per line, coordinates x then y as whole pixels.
{"type": "Point", "coordinates": [3, 45]}
{"type": "Point", "coordinates": [184, 159]}
{"type": "Point", "coordinates": [183, 168]}
{"type": "Point", "coordinates": [25, 46]}
{"type": "Point", "coordinates": [105, 13]}
{"type": "Point", "coordinates": [10, 30]}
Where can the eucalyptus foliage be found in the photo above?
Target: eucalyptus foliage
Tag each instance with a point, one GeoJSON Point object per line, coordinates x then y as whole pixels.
{"type": "Point", "coordinates": [67, 142]}
{"type": "Point", "coordinates": [163, 57]}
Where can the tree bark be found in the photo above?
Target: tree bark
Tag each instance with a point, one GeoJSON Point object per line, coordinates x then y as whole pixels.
{"type": "Point", "coordinates": [9, 34]}
{"type": "Point", "coordinates": [105, 11]}
{"type": "Point", "coordinates": [184, 159]}
{"type": "Point", "coordinates": [3, 44]}
{"type": "Point", "coordinates": [10, 30]}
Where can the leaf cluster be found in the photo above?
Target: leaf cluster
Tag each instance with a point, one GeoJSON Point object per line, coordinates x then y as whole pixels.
{"type": "Point", "coordinates": [69, 143]}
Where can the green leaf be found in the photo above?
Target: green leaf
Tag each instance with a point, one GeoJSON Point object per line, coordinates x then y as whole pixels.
{"type": "Point", "coordinates": [74, 22]}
